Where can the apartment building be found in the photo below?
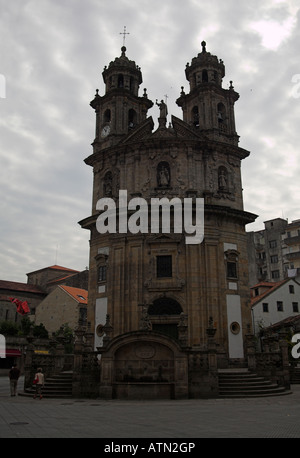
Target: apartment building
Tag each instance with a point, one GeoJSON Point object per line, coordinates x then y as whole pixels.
{"type": "Point", "coordinates": [274, 252]}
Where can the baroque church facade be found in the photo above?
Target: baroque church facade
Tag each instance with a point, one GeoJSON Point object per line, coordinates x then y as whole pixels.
{"type": "Point", "coordinates": [160, 307]}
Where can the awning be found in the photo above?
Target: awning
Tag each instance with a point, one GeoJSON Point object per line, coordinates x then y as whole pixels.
{"type": "Point", "coordinates": [11, 352]}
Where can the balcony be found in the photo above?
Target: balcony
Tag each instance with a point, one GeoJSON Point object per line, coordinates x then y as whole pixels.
{"type": "Point", "coordinates": [292, 256]}
{"type": "Point", "coordinates": [292, 273]}
{"type": "Point", "coordinates": [261, 262]}
{"type": "Point", "coordinates": [291, 240]}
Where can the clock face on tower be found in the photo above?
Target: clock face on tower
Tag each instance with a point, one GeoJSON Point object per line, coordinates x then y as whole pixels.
{"type": "Point", "coordinates": [105, 131]}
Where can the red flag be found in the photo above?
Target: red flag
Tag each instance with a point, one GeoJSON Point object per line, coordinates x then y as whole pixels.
{"type": "Point", "coordinates": [22, 307]}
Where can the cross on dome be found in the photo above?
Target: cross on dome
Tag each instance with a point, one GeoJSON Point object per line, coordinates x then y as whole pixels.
{"type": "Point", "coordinates": [124, 33]}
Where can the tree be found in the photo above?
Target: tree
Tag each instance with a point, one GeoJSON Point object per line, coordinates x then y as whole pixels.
{"type": "Point", "coordinates": [68, 335]}
{"type": "Point", "coordinates": [8, 328]}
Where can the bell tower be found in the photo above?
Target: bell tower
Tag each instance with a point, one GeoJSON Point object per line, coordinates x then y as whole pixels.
{"type": "Point", "coordinates": [208, 106]}
{"type": "Point", "coordinates": [121, 109]}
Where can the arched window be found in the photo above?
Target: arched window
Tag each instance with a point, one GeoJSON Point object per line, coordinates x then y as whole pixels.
{"type": "Point", "coordinates": [107, 115]}
{"type": "Point", "coordinates": [204, 76]}
{"type": "Point", "coordinates": [195, 116]}
{"type": "Point", "coordinates": [221, 113]}
{"type": "Point", "coordinates": [132, 118]}
{"type": "Point", "coordinates": [131, 84]}
{"type": "Point", "coordinates": [231, 260]}
{"type": "Point", "coordinates": [165, 306]}
{"type": "Point", "coordinates": [101, 260]}
{"type": "Point", "coordinates": [120, 81]}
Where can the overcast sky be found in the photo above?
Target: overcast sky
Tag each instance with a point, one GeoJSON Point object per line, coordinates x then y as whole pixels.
{"type": "Point", "coordinates": [52, 56]}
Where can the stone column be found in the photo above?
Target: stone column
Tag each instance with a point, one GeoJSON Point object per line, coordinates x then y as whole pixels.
{"type": "Point", "coordinates": [78, 361]}
{"type": "Point", "coordinates": [89, 336]}
{"type": "Point", "coordinates": [59, 353]}
{"type": "Point", "coordinates": [28, 367]}
{"type": "Point", "coordinates": [181, 378]}
{"type": "Point", "coordinates": [212, 358]}
{"type": "Point", "coordinates": [105, 389]}
{"type": "Point", "coordinates": [108, 330]}
{"type": "Point", "coordinates": [183, 330]}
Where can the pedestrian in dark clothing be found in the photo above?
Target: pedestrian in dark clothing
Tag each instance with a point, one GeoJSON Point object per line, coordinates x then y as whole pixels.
{"type": "Point", "coordinates": [14, 375]}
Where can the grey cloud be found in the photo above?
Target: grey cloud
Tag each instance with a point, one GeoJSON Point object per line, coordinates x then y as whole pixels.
{"type": "Point", "coordinates": [53, 57]}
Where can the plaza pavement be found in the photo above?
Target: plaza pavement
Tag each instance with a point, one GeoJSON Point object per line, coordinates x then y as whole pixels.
{"type": "Point", "coordinates": [169, 420]}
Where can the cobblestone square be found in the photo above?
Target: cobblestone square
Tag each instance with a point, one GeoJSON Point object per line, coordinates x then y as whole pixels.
{"type": "Point", "coordinates": [266, 417]}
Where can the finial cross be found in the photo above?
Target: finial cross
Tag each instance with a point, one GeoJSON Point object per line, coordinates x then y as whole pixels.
{"type": "Point", "coordinates": [124, 33]}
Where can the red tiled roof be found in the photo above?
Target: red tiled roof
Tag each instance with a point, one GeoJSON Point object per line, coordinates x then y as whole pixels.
{"type": "Point", "coordinates": [57, 280]}
{"type": "Point", "coordinates": [22, 287]}
{"type": "Point", "coordinates": [55, 267]}
{"type": "Point", "coordinates": [80, 295]}
{"type": "Point", "coordinates": [272, 287]}
{"type": "Point", "coordinates": [265, 283]}
{"type": "Point", "coordinates": [289, 321]}
{"type": "Point", "coordinates": [62, 268]}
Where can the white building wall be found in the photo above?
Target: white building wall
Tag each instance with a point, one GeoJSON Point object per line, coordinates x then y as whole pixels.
{"type": "Point", "coordinates": [282, 293]}
{"type": "Point", "coordinates": [234, 319]}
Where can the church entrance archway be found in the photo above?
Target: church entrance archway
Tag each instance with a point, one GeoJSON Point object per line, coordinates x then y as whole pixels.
{"type": "Point", "coordinates": [164, 314]}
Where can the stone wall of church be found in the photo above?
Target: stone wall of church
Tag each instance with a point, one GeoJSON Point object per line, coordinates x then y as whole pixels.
{"type": "Point", "coordinates": [174, 170]}
{"type": "Point", "coordinates": [200, 282]}
{"type": "Point", "coordinates": [163, 167]}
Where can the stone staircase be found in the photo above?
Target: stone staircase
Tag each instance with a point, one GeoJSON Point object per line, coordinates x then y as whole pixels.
{"type": "Point", "coordinates": [57, 386]}
{"type": "Point", "coordinates": [233, 383]}
{"type": "Point", "coordinates": [244, 384]}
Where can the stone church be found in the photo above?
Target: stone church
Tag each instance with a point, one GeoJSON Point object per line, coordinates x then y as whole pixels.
{"type": "Point", "coordinates": [167, 314]}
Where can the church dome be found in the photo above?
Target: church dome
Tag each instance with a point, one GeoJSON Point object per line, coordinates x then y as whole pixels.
{"type": "Point", "coordinates": [122, 73]}
{"type": "Point", "coordinates": [205, 68]}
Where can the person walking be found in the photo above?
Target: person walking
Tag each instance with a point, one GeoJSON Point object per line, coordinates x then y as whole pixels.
{"type": "Point", "coordinates": [40, 380]}
{"type": "Point", "coordinates": [14, 375]}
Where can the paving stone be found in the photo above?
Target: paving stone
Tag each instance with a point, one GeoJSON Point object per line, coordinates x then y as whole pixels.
{"type": "Point", "coordinates": [274, 417]}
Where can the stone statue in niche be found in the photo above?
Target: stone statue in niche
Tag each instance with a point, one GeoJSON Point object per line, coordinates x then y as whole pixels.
{"type": "Point", "coordinates": [163, 175]}
{"type": "Point", "coordinates": [225, 186]}
{"type": "Point", "coordinates": [223, 178]}
{"type": "Point", "coordinates": [145, 323]}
